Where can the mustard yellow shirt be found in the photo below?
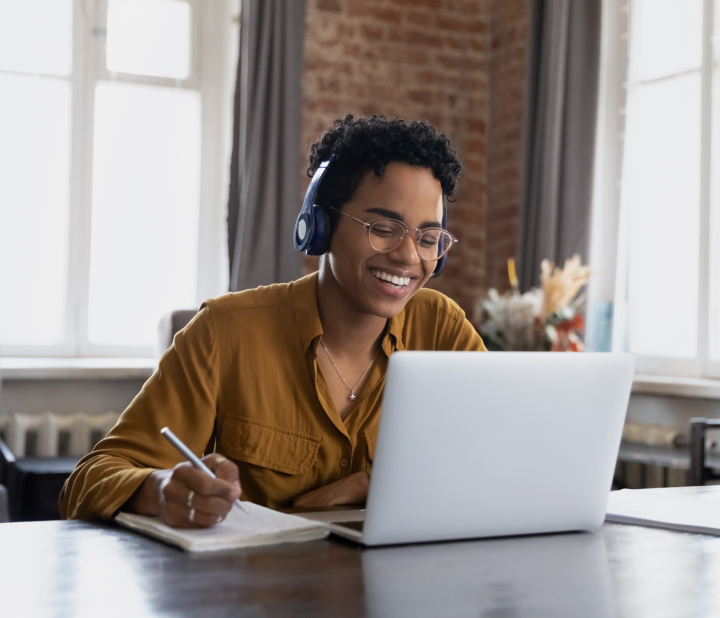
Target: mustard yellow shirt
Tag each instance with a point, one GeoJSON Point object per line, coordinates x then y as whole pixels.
{"type": "Point", "coordinates": [242, 379]}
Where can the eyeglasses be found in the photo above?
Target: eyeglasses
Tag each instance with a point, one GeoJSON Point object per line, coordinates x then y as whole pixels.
{"type": "Point", "coordinates": [385, 235]}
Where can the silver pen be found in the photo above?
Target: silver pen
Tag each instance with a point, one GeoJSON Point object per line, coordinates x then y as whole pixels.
{"type": "Point", "coordinates": [190, 456]}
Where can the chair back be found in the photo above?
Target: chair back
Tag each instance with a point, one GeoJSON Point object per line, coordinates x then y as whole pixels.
{"type": "Point", "coordinates": [170, 324]}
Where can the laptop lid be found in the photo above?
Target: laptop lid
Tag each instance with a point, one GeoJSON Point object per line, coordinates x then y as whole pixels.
{"type": "Point", "coordinates": [478, 445]}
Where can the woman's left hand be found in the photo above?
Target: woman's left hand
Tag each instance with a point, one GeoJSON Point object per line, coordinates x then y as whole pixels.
{"type": "Point", "coordinates": [352, 489]}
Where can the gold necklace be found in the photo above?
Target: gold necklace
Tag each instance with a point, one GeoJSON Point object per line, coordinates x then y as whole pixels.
{"type": "Point", "coordinates": [351, 388]}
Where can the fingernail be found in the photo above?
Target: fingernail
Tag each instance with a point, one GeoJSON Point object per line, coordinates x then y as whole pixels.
{"type": "Point", "coordinates": [237, 484]}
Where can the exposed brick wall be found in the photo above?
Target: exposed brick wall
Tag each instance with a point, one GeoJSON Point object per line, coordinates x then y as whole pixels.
{"type": "Point", "coordinates": [428, 59]}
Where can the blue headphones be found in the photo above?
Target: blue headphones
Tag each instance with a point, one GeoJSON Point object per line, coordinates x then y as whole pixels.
{"type": "Point", "coordinates": [313, 229]}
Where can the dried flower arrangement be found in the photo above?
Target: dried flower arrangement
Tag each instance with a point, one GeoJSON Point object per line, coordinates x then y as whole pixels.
{"type": "Point", "coordinates": [548, 318]}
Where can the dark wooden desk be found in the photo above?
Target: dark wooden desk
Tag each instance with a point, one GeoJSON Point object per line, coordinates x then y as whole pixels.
{"type": "Point", "coordinates": [78, 569]}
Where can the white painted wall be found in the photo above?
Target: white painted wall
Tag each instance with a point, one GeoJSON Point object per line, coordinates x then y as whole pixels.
{"type": "Point", "coordinates": [95, 396]}
{"type": "Point", "coordinates": [67, 396]}
{"type": "Point", "coordinates": [671, 411]}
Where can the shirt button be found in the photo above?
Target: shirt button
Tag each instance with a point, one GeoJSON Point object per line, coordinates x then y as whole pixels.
{"type": "Point", "coordinates": [344, 463]}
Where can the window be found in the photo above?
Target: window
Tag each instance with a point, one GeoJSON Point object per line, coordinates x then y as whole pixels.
{"type": "Point", "coordinates": [115, 122]}
{"type": "Point", "coordinates": [667, 288]}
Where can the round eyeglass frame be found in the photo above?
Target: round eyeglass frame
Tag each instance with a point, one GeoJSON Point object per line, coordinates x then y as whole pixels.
{"type": "Point", "coordinates": [418, 235]}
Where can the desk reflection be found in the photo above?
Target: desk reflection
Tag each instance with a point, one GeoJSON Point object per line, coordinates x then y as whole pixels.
{"type": "Point", "coordinates": [553, 575]}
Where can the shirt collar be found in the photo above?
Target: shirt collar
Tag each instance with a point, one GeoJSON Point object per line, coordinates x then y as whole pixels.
{"type": "Point", "coordinates": [308, 317]}
{"type": "Point", "coordinates": [393, 339]}
{"type": "Point", "coordinates": [306, 309]}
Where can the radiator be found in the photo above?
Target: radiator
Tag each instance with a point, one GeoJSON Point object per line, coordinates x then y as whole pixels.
{"type": "Point", "coordinates": [54, 435]}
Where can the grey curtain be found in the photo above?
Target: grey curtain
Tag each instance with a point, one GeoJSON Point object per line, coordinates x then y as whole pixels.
{"type": "Point", "coordinates": [562, 91]}
{"type": "Point", "coordinates": [264, 195]}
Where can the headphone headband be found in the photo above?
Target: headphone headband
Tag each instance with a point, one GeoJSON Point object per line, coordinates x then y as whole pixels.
{"type": "Point", "coordinates": [312, 228]}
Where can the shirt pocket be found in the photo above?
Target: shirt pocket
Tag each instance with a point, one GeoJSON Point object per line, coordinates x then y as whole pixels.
{"type": "Point", "coordinates": [276, 464]}
{"type": "Point", "coordinates": [370, 434]}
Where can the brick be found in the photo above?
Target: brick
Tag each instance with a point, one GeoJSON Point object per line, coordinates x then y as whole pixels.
{"type": "Point", "coordinates": [461, 24]}
{"type": "Point", "coordinates": [332, 6]}
{"type": "Point", "coordinates": [372, 32]}
{"type": "Point", "coordinates": [416, 37]}
{"type": "Point", "coordinates": [471, 7]}
{"type": "Point", "coordinates": [417, 18]}
{"type": "Point", "coordinates": [432, 77]}
{"type": "Point", "coordinates": [328, 84]}
{"type": "Point", "coordinates": [505, 229]}
{"type": "Point", "coordinates": [475, 243]}
{"type": "Point", "coordinates": [369, 92]}
{"type": "Point", "coordinates": [421, 96]}
{"type": "Point", "coordinates": [430, 4]}
{"type": "Point", "coordinates": [368, 109]}
{"type": "Point", "coordinates": [477, 125]}
{"type": "Point", "coordinates": [362, 8]}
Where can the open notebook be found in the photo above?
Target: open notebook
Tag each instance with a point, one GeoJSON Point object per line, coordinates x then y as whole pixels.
{"type": "Point", "coordinates": [260, 526]}
{"type": "Point", "coordinates": [662, 508]}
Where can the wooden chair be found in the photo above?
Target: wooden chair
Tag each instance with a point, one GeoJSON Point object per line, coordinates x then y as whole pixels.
{"type": "Point", "coordinates": [33, 484]}
{"type": "Point", "coordinates": [169, 326]}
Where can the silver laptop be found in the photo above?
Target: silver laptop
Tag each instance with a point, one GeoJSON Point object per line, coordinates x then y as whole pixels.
{"type": "Point", "coordinates": [478, 445]}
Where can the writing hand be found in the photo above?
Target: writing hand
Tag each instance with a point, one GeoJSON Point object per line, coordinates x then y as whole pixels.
{"type": "Point", "coordinates": [167, 493]}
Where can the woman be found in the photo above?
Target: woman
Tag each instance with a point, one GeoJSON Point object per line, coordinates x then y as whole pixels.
{"type": "Point", "coordinates": [283, 384]}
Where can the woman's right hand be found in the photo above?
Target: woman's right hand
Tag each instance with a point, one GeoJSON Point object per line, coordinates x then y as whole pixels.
{"type": "Point", "coordinates": [186, 497]}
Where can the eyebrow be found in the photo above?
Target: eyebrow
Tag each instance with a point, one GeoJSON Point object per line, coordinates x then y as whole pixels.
{"type": "Point", "coordinates": [391, 214]}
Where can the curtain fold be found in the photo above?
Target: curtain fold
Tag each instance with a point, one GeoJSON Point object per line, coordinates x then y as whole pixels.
{"type": "Point", "coordinates": [561, 104]}
{"type": "Point", "coordinates": [264, 197]}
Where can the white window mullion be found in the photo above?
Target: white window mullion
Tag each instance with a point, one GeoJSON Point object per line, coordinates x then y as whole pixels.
{"type": "Point", "coordinates": [219, 25]}
{"type": "Point", "coordinates": [85, 44]}
{"type": "Point", "coordinates": [610, 129]}
{"type": "Point", "coordinates": [712, 364]}
{"type": "Point", "coordinates": [705, 186]}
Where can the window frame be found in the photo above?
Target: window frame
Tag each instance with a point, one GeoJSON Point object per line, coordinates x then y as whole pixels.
{"type": "Point", "coordinates": [616, 213]}
{"type": "Point", "coordinates": [214, 45]}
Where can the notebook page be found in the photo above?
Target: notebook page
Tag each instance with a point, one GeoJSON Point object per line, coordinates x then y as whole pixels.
{"type": "Point", "coordinates": [257, 527]}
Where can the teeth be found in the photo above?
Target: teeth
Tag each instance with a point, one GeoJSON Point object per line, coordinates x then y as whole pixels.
{"type": "Point", "coordinates": [394, 279]}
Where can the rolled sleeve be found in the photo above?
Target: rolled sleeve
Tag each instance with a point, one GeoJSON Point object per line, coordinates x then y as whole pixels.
{"type": "Point", "coordinates": [182, 395]}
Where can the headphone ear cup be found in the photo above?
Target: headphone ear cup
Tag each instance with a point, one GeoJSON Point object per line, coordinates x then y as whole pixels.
{"type": "Point", "coordinates": [320, 241]}
{"type": "Point", "coordinates": [303, 231]}
{"type": "Point", "coordinates": [326, 238]}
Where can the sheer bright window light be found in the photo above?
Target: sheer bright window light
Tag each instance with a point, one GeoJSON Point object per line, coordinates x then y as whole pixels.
{"type": "Point", "coordinates": [34, 202]}
{"type": "Point", "coordinates": [144, 239]}
{"type": "Point", "coordinates": [666, 38]}
{"type": "Point", "coordinates": [714, 298]}
{"type": "Point", "coordinates": [36, 36]}
{"type": "Point", "coordinates": [714, 314]}
{"type": "Point", "coordinates": [149, 37]}
{"type": "Point", "coordinates": [661, 186]}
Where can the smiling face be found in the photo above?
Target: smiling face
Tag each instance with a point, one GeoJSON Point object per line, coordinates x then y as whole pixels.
{"type": "Point", "coordinates": [382, 283]}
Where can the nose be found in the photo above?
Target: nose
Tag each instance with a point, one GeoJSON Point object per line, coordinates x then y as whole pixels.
{"type": "Point", "coordinates": [406, 252]}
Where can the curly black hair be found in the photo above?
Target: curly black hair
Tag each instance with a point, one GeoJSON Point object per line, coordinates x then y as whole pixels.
{"type": "Point", "coordinates": [362, 145]}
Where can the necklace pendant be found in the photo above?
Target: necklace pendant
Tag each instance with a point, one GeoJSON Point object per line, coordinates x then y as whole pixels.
{"type": "Point", "coordinates": [352, 396]}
